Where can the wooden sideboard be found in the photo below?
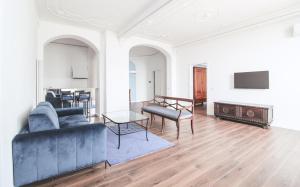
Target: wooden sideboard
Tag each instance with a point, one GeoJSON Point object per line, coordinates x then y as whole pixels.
{"type": "Point", "coordinates": [261, 115]}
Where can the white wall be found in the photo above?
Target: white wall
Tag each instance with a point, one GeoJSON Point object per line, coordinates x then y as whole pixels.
{"type": "Point", "coordinates": [117, 63]}
{"type": "Point", "coordinates": [145, 65]}
{"type": "Point", "coordinates": [270, 47]}
{"type": "Point", "coordinates": [58, 62]}
{"type": "Point", "coordinates": [117, 80]}
{"type": "Point", "coordinates": [2, 141]}
{"type": "Point", "coordinates": [17, 76]}
{"type": "Point", "coordinates": [93, 63]}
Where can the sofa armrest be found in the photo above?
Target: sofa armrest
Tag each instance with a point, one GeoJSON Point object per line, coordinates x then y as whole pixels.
{"type": "Point", "coordinates": [45, 154]}
{"type": "Point", "coordinates": [69, 111]}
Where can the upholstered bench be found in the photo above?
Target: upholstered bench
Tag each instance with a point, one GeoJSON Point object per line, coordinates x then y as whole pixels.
{"type": "Point", "coordinates": [170, 108]}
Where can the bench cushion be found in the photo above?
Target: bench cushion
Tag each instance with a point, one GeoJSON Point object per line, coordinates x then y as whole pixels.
{"type": "Point", "coordinates": [166, 112]}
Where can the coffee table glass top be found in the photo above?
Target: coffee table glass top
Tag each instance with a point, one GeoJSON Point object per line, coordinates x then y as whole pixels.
{"type": "Point", "coordinates": [125, 116]}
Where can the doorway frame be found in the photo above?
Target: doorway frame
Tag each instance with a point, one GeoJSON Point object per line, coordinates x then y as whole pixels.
{"type": "Point", "coordinates": [191, 80]}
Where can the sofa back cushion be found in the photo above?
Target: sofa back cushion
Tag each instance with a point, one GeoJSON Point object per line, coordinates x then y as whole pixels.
{"type": "Point", "coordinates": [48, 104]}
{"type": "Point", "coordinates": [43, 117]}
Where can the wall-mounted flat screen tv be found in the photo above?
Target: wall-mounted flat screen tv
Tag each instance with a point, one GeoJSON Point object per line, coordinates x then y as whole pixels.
{"type": "Point", "coordinates": [252, 80]}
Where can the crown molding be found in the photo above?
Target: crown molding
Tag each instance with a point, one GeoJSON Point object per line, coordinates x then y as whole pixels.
{"type": "Point", "coordinates": [246, 25]}
{"type": "Point", "coordinates": [141, 18]}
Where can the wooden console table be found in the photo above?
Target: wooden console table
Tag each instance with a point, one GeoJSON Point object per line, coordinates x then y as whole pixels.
{"type": "Point", "coordinates": [261, 115]}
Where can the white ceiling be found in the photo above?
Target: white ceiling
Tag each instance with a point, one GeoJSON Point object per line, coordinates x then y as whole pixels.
{"type": "Point", "coordinates": [173, 21]}
{"type": "Point", "coordinates": [102, 14]}
{"type": "Point", "coordinates": [139, 51]}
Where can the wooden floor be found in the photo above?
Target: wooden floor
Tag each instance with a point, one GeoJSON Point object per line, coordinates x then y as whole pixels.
{"type": "Point", "coordinates": [220, 153]}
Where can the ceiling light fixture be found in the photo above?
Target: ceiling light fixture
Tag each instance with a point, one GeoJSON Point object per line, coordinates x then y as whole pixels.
{"type": "Point", "coordinates": [149, 22]}
{"type": "Point", "coordinates": [205, 15]}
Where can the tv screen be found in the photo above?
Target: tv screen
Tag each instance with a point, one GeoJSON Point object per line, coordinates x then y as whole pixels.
{"type": "Point", "coordinates": [252, 80]}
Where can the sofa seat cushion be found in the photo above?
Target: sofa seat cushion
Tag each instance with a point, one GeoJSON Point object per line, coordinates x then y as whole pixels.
{"type": "Point", "coordinates": [167, 112]}
{"type": "Point", "coordinates": [72, 121]}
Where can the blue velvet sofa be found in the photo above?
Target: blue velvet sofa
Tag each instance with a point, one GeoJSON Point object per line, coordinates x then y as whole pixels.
{"type": "Point", "coordinates": [55, 142]}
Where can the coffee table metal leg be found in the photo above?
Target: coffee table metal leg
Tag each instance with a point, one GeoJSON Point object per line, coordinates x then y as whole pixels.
{"type": "Point", "coordinates": [119, 136]}
{"type": "Point", "coordinates": [147, 129]}
{"type": "Point", "coordinates": [107, 163]}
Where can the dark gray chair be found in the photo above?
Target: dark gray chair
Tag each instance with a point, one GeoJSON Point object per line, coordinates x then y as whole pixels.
{"type": "Point", "coordinates": [67, 99]}
{"type": "Point", "coordinates": [83, 97]}
{"type": "Point", "coordinates": [54, 99]}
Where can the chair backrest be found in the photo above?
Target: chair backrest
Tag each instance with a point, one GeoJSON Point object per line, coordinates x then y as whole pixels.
{"type": "Point", "coordinates": [50, 94]}
{"type": "Point", "coordinates": [85, 96]}
{"type": "Point", "coordinates": [175, 102]}
{"type": "Point", "coordinates": [78, 92]}
{"type": "Point", "coordinates": [66, 93]}
{"type": "Point", "coordinates": [56, 91]}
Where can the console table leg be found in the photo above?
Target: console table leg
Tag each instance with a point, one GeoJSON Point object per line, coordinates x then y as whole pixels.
{"type": "Point", "coordinates": [265, 126]}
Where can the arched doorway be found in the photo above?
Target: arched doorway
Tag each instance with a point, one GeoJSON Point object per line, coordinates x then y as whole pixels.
{"type": "Point", "coordinates": [147, 73]}
{"type": "Point", "coordinates": [70, 63]}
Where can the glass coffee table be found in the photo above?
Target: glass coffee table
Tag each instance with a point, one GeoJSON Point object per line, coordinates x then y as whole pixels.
{"type": "Point", "coordinates": [125, 122]}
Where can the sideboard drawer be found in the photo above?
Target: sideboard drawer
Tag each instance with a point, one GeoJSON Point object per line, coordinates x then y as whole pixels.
{"type": "Point", "coordinates": [228, 110]}
{"type": "Point", "coordinates": [254, 114]}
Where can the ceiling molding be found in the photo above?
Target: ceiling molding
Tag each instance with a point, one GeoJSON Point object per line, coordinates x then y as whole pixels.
{"type": "Point", "coordinates": [152, 54]}
{"type": "Point", "coordinates": [248, 24]}
{"type": "Point", "coordinates": [140, 19]}
{"type": "Point", "coordinates": [77, 45]}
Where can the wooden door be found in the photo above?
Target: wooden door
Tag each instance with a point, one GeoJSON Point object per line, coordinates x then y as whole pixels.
{"type": "Point", "coordinates": [200, 93]}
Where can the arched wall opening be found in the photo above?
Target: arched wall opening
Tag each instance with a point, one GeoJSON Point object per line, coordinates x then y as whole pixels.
{"type": "Point", "coordinates": [73, 63]}
{"type": "Point", "coordinates": [69, 63]}
{"type": "Point", "coordinates": [165, 49]}
{"type": "Point", "coordinates": [147, 73]}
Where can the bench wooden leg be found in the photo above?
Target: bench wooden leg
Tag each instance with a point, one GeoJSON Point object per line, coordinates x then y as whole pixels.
{"type": "Point", "coordinates": [192, 125]}
{"type": "Point", "coordinates": [151, 120]}
{"type": "Point", "coordinates": [178, 129]}
{"type": "Point", "coordinates": [162, 125]}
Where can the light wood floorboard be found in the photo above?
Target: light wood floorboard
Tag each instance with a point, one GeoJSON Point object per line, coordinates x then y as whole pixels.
{"type": "Point", "coordinates": [220, 153]}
